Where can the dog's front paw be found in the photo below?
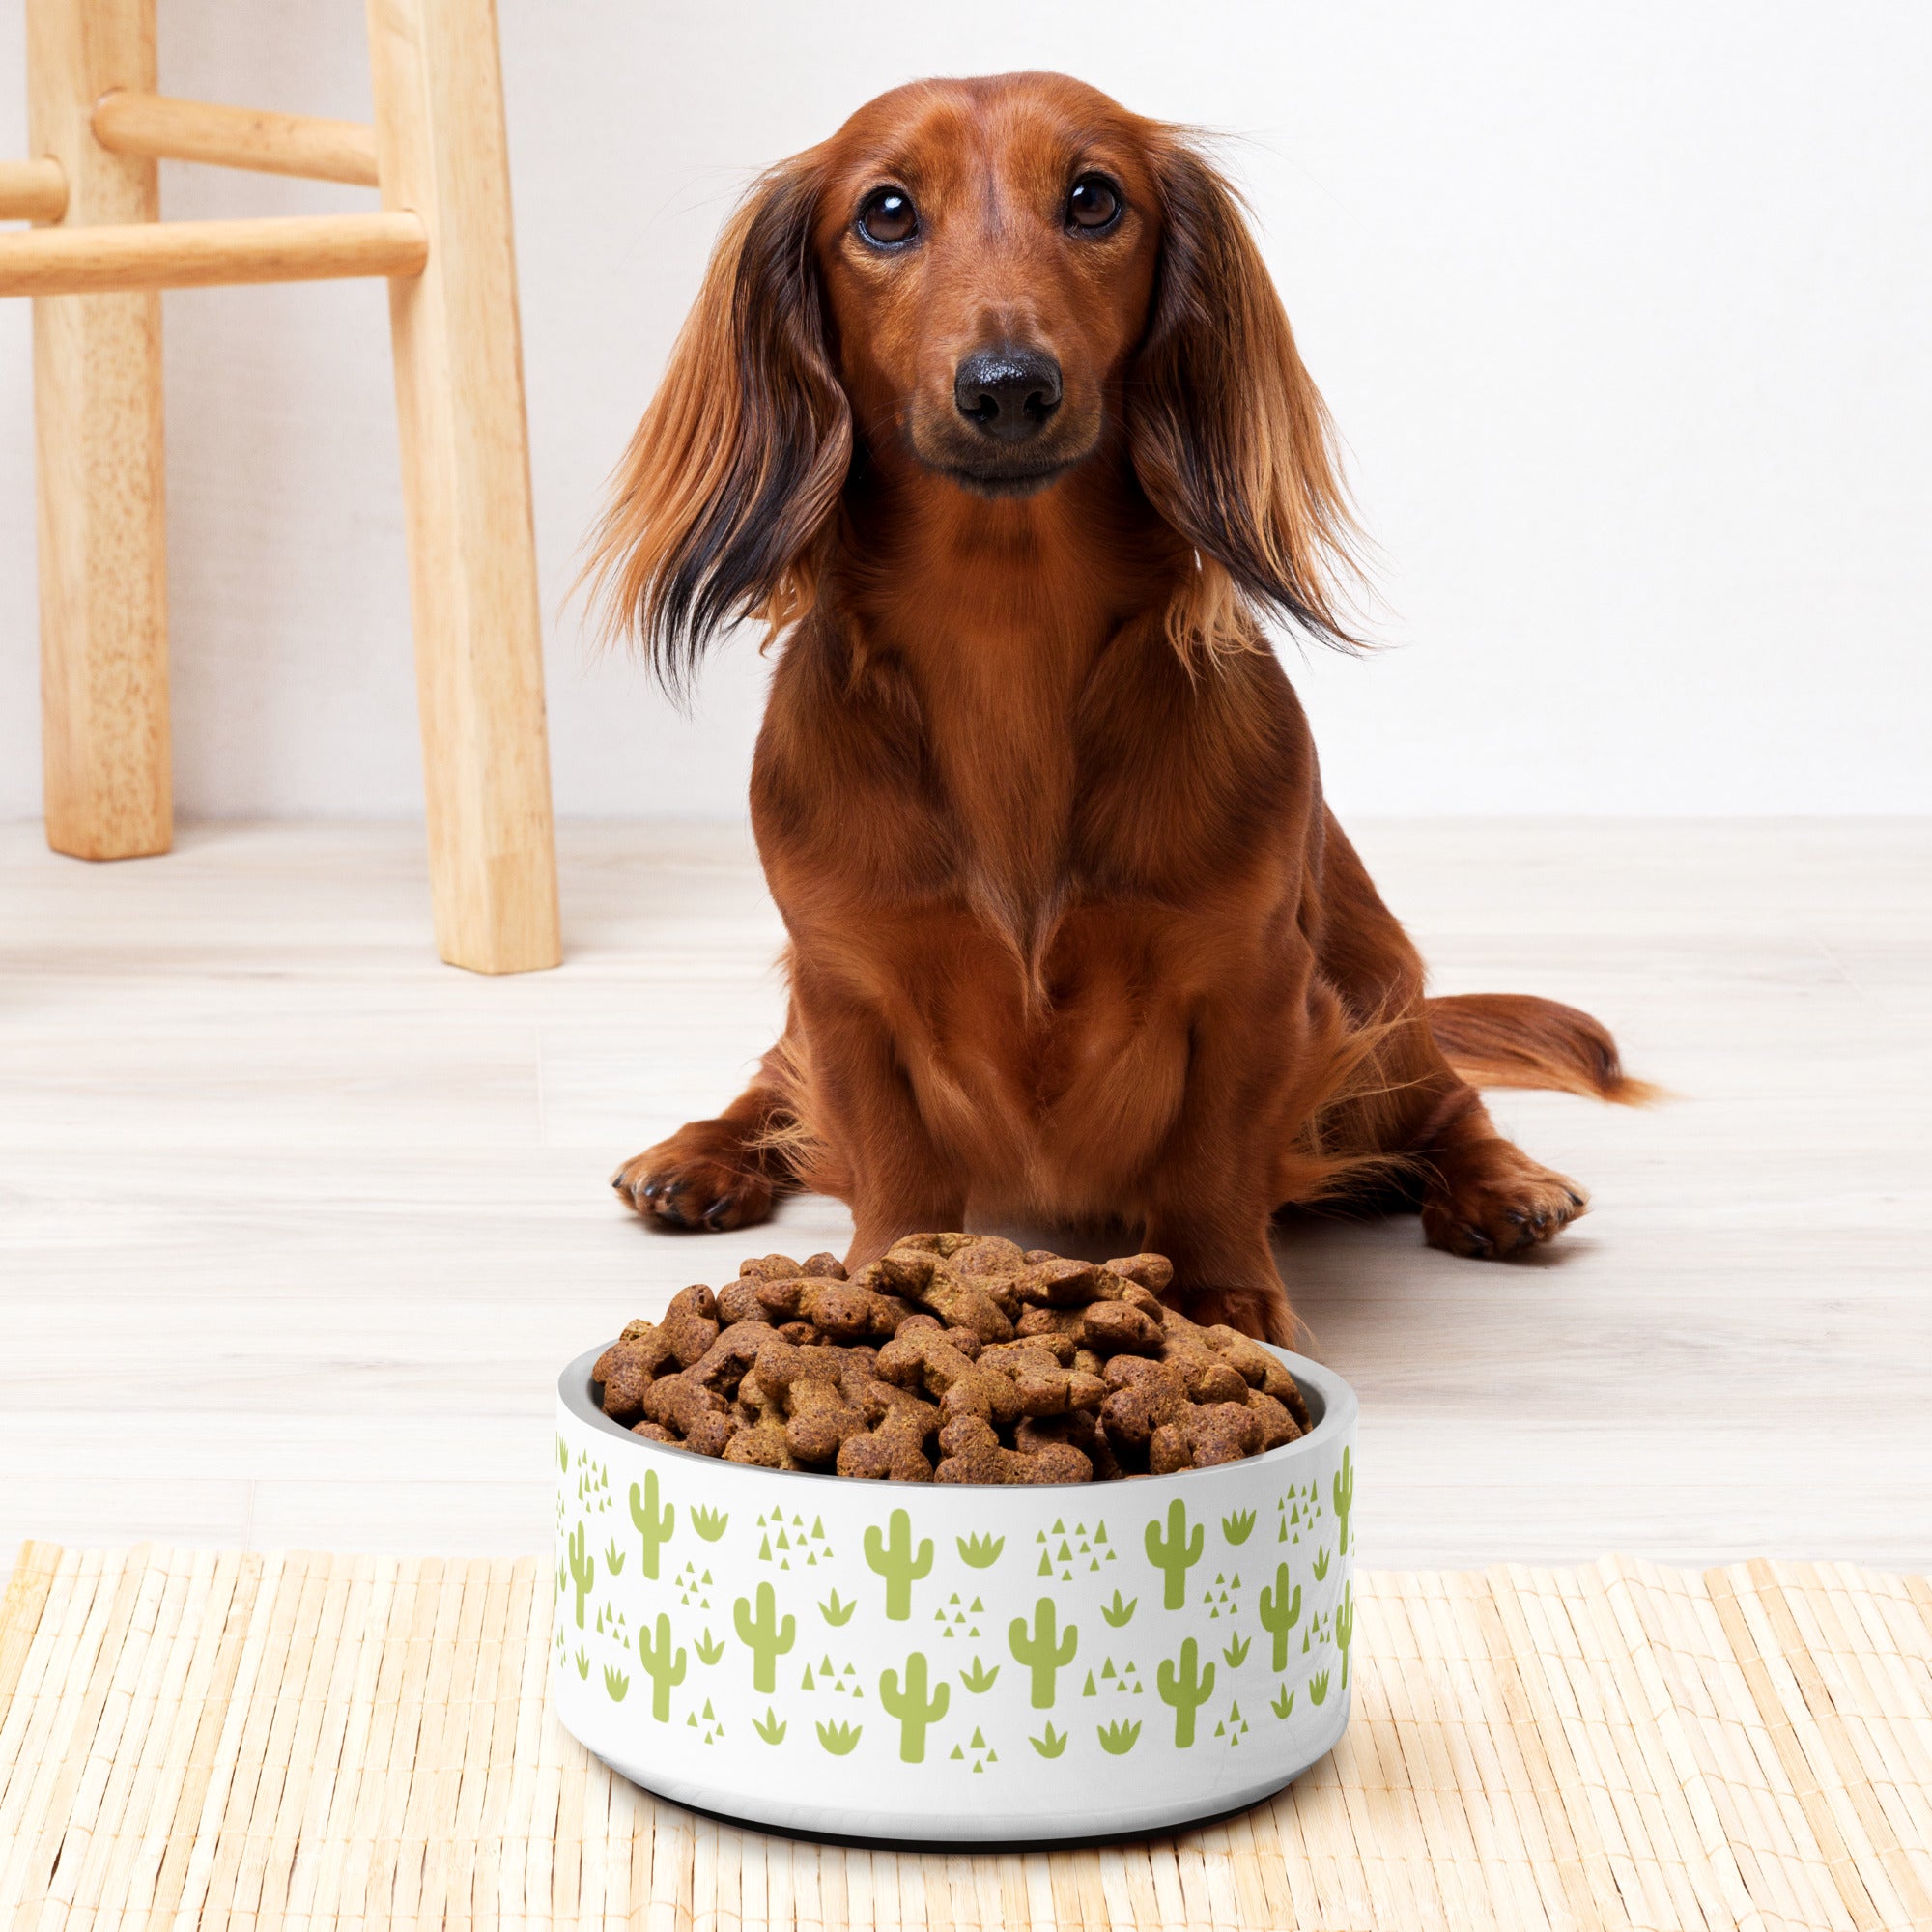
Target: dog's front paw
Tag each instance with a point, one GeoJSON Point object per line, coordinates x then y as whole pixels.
{"type": "Point", "coordinates": [692, 1180]}
{"type": "Point", "coordinates": [1491, 1201]}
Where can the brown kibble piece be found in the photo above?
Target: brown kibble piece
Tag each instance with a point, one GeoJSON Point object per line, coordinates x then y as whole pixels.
{"type": "Point", "coordinates": [701, 1415]}
{"type": "Point", "coordinates": [738, 1300]}
{"type": "Point", "coordinates": [626, 1369]}
{"type": "Point", "coordinates": [990, 1255]}
{"type": "Point", "coordinates": [690, 1324]}
{"type": "Point", "coordinates": [1117, 1327]}
{"type": "Point", "coordinates": [1140, 1405]}
{"type": "Point", "coordinates": [974, 1454]}
{"type": "Point", "coordinates": [924, 1278]}
{"type": "Point", "coordinates": [1037, 1321]}
{"type": "Point", "coordinates": [843, 1310]}
{"type": "Point", "coordinates": [818, 1417]}
{"type": "Point", "coordinates": [768, 1267]}
{"type": "Point", "coordinates": [1153, 1272]}
{"type": "Point", "coordinates": [1065, 1284]}
{"type": "Point", "coordinates": [653, 1431]}
{"type": "Point", "coordinates": [1079, 1429]}
{"type": "Point", "coordinates": [922, 1359]}
{"type": "Point", "coordinates": [726, 1363]}
{"type": "Point", "coordinates": [825, 1265]}
{"type": "Point", "coordinates": [762, 1445]}
{"type": "Point", "coordinates": [893, 1450]}
{"type": "Point", "coordinates": [1278, 1425]}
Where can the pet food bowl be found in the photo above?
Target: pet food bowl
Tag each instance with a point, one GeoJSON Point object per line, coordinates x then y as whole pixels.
{"type": "Point", "coordinates": [931, 1662]}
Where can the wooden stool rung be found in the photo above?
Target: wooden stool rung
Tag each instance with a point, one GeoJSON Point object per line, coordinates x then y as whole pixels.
{"type": "Point", "coordinates": [127, 122]}
{"type": "Point", "coordinates": [32, 190]}
{"type": "Point", "coordinates": [202, 254]}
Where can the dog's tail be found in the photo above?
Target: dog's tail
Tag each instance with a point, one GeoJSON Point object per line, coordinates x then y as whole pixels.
{"type": "Point", "coordinates": [1514, 1040]}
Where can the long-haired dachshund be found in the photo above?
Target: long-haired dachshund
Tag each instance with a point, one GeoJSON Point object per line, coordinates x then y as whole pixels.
{"type": "Point", "coordinates": [989, 410]}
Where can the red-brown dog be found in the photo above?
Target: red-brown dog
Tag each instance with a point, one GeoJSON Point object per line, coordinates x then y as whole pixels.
{"type": "Point", "coordinates": [989, 407]}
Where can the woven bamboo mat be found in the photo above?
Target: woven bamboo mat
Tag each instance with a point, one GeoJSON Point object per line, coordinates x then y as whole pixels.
{"type": "Point", "coordinates": [192, 1738]}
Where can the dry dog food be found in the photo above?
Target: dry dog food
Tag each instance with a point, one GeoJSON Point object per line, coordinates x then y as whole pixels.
{"type": "Point", "coordinates": [955, 1358]}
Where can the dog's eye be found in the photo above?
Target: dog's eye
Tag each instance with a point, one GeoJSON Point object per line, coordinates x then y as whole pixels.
{"type": "Point", "coordinates": [889, 217]}
{"type": "Point", "coordinates": [1094, 203]}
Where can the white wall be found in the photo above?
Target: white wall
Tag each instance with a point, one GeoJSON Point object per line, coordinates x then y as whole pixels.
{"type": "Point", "coordinates": [1622, 311]}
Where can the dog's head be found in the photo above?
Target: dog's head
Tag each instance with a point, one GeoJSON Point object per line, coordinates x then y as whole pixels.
{"type": "Point", "coordinates": [977, 286]}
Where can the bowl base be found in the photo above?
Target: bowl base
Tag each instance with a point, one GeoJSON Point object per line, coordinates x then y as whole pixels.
{"type": "Point", "coordinates": [834, 1824]}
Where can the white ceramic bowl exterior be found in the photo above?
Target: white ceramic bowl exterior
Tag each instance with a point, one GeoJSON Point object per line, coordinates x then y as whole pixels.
{"type": "Point", "coordinates": [928, 1661]}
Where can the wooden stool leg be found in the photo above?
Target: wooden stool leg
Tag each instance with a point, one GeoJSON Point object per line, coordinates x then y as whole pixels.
{"type": "Point", "coordinates": [97, 434]}
{"type": "Point", "coordinates": [465, 479]}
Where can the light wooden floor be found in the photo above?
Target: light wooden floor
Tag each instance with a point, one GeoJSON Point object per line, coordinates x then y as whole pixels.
{"type": "Point", "coordinates": [296, 1225]}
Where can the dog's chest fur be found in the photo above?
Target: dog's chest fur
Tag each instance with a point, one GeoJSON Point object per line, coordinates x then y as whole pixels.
{"type": "Point", "coordinates": [1024, 878]}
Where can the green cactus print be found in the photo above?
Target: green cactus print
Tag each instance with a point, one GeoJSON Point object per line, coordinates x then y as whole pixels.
{"type": "Point", "coordinates": [1318, 1688]}
{"type": "Point", "coordinates": [763, 1636]}
{"type": "Point", "coordinates": [665, 1674]}
{"type": "Point", "coordinates": [1284, 1702]}
{"type": "Point", "coordinates": [981, 1552]}
{"type": "Point", "coordinates": [896, 1562]}
{"type": "Point", "coordinates": [1120, 1611]}
{"type": "Point", "coordinates": [1237, 1527]}
{"type": "Point", "coordinates": [834, 1612]}
{"type": "Point", "coordinates": [709, 1648]}
{"type": "Point", "coordinates": [1118, 1738]}
{"type": "Point", "coordinates": [770, 1728]}
{"type": "Point", "coordinates": [1280, 1613]}
{"type": "Point", "coordinates": [1236, 1654]}
{"type": "Point", "coordinates": [1052, 1745]}
{"type": "Point", "coordinates": [653, 1525]}
{"type": "Point", "coordinates": [615, 1684]}
{"type": "Point", "coordinates": [912, 1707]}
{"type": "Point", "coordinates": [709, 1524]}
{"type": "Point", "coordinates": [1345, 1629]}
{"type": "Point", "coordinates": [1184, 1690]}
{"type": "Point", "coordinates": [1341, 1491]}
{"type": "Point", "coordinates": [582, 1570]}
{"type": "Point", "coordinates": [1041, 1652]}
{"type": "Point", "coordinates": [1175, 1554]}
{"type": "Point", "coordinates": [1320, 1564]}
{"type": "Point", "coordinates": [838, 1739]}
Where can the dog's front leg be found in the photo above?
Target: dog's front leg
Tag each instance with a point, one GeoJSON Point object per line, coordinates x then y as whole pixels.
{"type": "Point", "coordinates": [863, 1103]}
{"type": "Point", "coordinates": [1208, 1197]}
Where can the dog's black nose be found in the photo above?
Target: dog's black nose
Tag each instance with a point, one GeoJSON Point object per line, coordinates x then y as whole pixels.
{"type": "Point", "coordinates": [1008, 394]}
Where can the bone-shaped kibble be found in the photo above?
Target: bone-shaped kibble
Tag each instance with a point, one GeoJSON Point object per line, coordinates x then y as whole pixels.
{"type": "Point", "coordinates": [1065, 1284]}
{"type": "Point", "coordinates": [819, 1418]}
{"type": "Point", "coordinates": [700, 1416]}
{"type": "Point", "coordinates": [973, 1453]}
{"type": "Point", "coordinates": [922, 1358]}
{"type": "Point", "coordinates": [627, 1368]}
{"type": "Point", "coordinates": [725, 1365]}
{"type": "Point", "coordinates": [893, 1450]}
{"type": "Point", "coordinates": [690, 1324]}
{"type": "Point", "coordinates": [1208, 1434]}
{"type": "Point", "coordinates": [918, 1276]}
{"type": "Point", "coordinates": [843, 1310]}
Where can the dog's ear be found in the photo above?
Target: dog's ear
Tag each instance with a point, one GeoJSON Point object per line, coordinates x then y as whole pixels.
{"type": "Point", "coordinates": [1230, 437]}
{"type": "Point", "coordinates": [719, 506]}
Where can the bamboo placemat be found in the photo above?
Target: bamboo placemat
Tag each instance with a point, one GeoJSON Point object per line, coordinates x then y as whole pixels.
{"type": "Point", "coordinates": [193, 1738]}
